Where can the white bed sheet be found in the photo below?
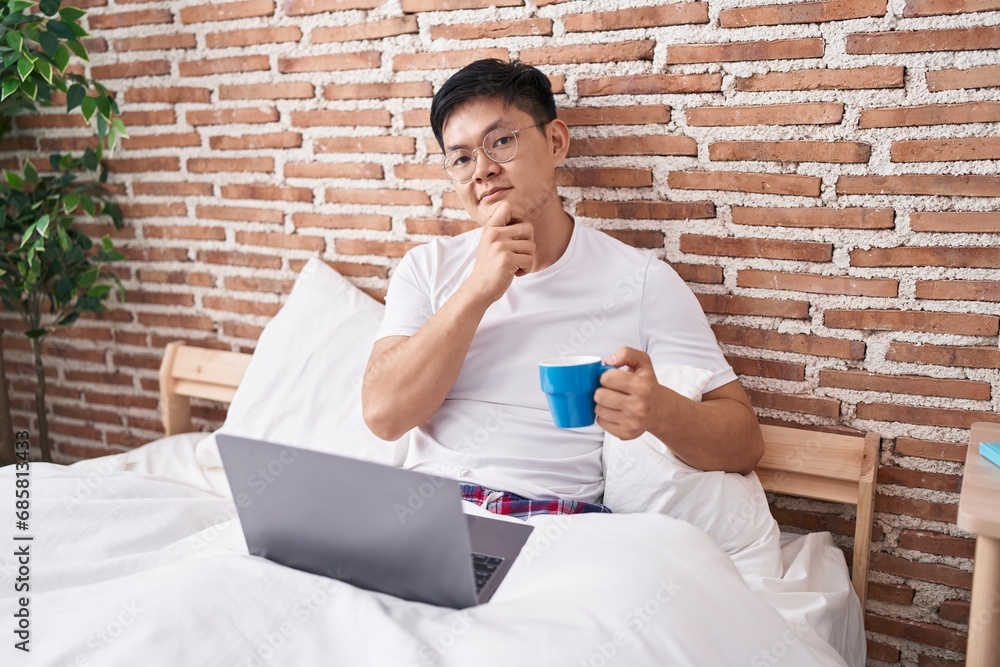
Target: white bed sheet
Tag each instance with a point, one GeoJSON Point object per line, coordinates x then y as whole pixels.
{"type": "Point", "coordinates": [139, 558]}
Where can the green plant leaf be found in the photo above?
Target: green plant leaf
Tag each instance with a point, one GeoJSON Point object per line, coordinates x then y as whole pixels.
{"type": "Point", "coordinates": [13, 180]}
{"type": "Point", "coordinates": [70, 202]}
{"type": "Point", "coordinates": [79, 49]}
{"type": "Point", "coordinates": [106, 243]}
{"type": "Point", "coordinates": [45, 69]}
{"type": "Point", "coordinates": [49, 42]}
{"type": "Point", "coordinates": [27, 237]}
{"type": "Point", "coordinates": [14, 39]}
{"type": "Point", "coordinates": [30, 173]}
{"type": "Point", "coordinates": [43, 224]}
{"type": "Point", "coordinates": [71, 14]}
{"type": "Point", "coordinates": [49, 7]}
{"type": "Point", "coordinates": [19, 5]}
{"type": "Point", "coordinates": [87, 204]}
{"type": "Point", "coordinates": [35, 333]}
{"type": "Point", "coordinates": [88, 105]}
{"type": "Point", "coordinates": [90, 159]}
{"type": "Point", "coordinates": [61, 57]}
{"type": "Point", "coordinates": [9, 86]}
{"type": "Point", "coordinates": [98, 291]}
{"type": "Point", "coordinates": [74, 96]}
{"type": "Point", "coordinates": [63, 239]}
{"type": "Point", "coordinates": [61, 30]}
{"type": "Point", "coordinates": [29, 87]}
{"type": "Point", "coordinates": [104, 106]}
{"type": "Point", "coordinates": [10, 58]}
{"type": "Point", "coordinates": [24, 67]}
{"type": "Point", "coordinates": [69, 319]}
{"type": "Point", "coordinates": [88, 278]}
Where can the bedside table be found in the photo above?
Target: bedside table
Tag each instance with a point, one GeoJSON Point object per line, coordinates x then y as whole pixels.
{"type": "Point", "coordinates": [979, 513]}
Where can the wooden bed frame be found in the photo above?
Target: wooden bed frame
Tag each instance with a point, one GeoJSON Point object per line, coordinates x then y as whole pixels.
{"type": "Point", "coordinates": [797, 462]}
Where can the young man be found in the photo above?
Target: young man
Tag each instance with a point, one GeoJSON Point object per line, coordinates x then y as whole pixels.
{"type": "Point", "coordinates": [468, 319]}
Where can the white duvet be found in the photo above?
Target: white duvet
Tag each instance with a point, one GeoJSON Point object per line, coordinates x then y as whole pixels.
{"type": "Point", "coordinates": [133, 568]}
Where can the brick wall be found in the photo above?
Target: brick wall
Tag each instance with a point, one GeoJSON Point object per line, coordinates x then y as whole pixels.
{"type": "Point", "coordinates": [823, 174]}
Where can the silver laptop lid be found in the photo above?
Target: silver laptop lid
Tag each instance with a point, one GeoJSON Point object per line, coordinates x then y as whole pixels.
{"type": "Point", "coordinates": [374, 526]}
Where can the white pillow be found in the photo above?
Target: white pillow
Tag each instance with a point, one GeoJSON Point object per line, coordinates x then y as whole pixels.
{"type": "Point", "coordinates": [303, 384]}
{"type": "Point", "coordinates": [643, 475]}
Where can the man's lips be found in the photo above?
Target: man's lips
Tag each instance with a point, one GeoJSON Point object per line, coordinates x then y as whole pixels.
{"type": "Point", "coordinates": [491, 195]}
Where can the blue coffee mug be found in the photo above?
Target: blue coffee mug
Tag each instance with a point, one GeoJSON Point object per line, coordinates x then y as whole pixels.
{"type": "Point", "coordinates": [569, 384]}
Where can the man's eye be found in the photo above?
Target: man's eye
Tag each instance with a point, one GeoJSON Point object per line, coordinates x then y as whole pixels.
{"type": "Point", "coordinates": [460, 160]}
{"type": "Point", "coordinates": [502, 141]}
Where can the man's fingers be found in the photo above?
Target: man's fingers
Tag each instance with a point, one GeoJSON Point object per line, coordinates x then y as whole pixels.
{"type": "Point", "coordinates": [522, 247]}
{"type": "Point", "coordinates": [501, 215]}
{"type": "Point", "coordinates": [610, 399]}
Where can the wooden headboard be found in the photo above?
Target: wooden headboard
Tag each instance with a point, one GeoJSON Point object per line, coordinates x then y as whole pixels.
{"type": "Point", "coordinates": [797, 462]}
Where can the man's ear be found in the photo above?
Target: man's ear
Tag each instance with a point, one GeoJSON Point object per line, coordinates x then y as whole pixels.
{"type": "Point", "coordinates": [559, 138]}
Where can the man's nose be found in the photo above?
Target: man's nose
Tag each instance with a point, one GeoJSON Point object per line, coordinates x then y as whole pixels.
{"type": "Point", "coordinates": [485, 167]}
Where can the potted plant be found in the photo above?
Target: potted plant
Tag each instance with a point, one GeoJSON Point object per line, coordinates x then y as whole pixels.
{"type": "Point", "coordinates": [51, 272]}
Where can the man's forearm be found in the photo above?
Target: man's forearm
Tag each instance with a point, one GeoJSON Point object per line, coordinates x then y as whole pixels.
{"type": "Point", "coordinates": [718, 433]}
{"type": "Point", "coordinates": [406, 384]}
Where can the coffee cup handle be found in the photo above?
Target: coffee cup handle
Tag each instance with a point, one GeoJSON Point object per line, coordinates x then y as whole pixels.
{"type": "Point", "coordinates": [605, 367]}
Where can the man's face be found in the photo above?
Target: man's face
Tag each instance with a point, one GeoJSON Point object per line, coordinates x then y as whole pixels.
{"type": "Point", "coordinates": [527, 182]}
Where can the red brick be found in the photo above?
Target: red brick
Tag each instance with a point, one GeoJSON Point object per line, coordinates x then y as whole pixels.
{"type": "Point", "coordinates": [928, 634]}
{"type": "Point", "coordinates": [364, 170]}
{"type": "Point", "coordinates": [878, 650]}
{"type": "Point", "coordinates": [130, 70]}
{"type": "Point", "coordinates": [927, 449]}
{"type": "Point", "coordinates": [233, 258]}
{"type": "Point", "coordinates": [797, 343]}
{"type": "Point", "coordinates": [944, 355]}
{"type": "Point", "coordinates": [256, 141]}
{"type": "Point", "coordinates": [242, 284]}
{"type": "Point", "coordinates": [233, 116]}
{"type": "Point", "coordinates": [941, 7]}
{"type": "Point", "coordinates": [846, 218]}
{"type": "Point", "coordinates": [240, 306]}
{"type": "Point", "coordinates": [748, 305]}
{"type": "Point", "coordinates": [215, 165]}
{"type": "Point", "coordinates": [971, 290]}
{"type": "Point", "coordinates": [918, 41]}
{"type": "Point", "coordinates": [645, 210]}
{"type": "Point", "coordinates": [492, 29]}
{"type": "Point", "coordinates": [267, 192]}
{"type": "Point", "coordinates": [369, 30]}
{"type": "Point", "coordinates": [342, 221]}
{"type": "Point", "coordinates": [378, 248]}
{"type": "Point", "coordinates": [637, 238]}
{"type": "Point", "coordinates": [919, 479]}
{"type": "Point", "coordinates": [635, 145]}
{"type": "Point", "coordinates": [963, 324]}
{"type": "Point", "coordinates": [987, 76]}
{"type": "Point", "coordinates": [921, 509]}
{"type": "Point", "coordinates": [167, 140]}
{"type": "Point", "coordinates": [949, 418]}
{"type": "Point", "coordinates": [133, 210]}
{"type": "Point", "coordinates": [801, 12]}
{"type": "Point", "coordinates": [408, 170]}
{"type": "Point", "coordinates": [50, 120]}
{"type": "Point", "coordinates": [820, 521]}
{"type": "Point", "coordinates": [378, 91]}
{"type": "Point", "coordinates": [291, 90]}
{"type": "Point", "coordinates": [394, 144]}
{"type": "Point", "coordinates": [160, 117]}
{"type": "Point", "coordinates": [931, 114]}
{"type": "Point", "coordinates": [250, 37]}
{"type": "Point", "coordinates": [905, 384]}
{"type": "Point", "coordinates": [891, 593]}
{"type": "Point", "coordinates": [934, 661]}
{"type": "Point", "coordinates": [698, 273]}
{"type": "Point", "coordinates": [378, 197]}
{"type": "Point", "coordinates": [280, 240]}
{"type": "Point", "coordinates": [239, 214]}
{"type": "Point", "coordinates": [205, 66]}
{"type": "Point", "coordinates": [650, 84]}
{"type": "Point", "coordinates": [172, 94]}
{"type": "Point", "coordinates": [977, 257]}
{"type": "Point", "coordinates": [956, 611]}
{"type": "Point", "coordinates": [604, 178]}
{"type": "Point", "coordinates": [156, 42]}
{"type": "Point", "coordinates": [352, 269]}
{"type": "Point", "coordinates": [331, 62]}
{"type": "Point", "coordinates": [945, 150]}
{"type": "Point", "coordinates": [843, 152]}
{"type": "Point", "coordinates": [823, 407]}
{"type": "Point", "coordinates": [227, 11]}
{"type": "Point", "coordinates": [782, 49]}
{"type": "Point", "coordinates": [817, 284]}
{"type": "Point", "coordinates": [937, 543]}
{"type": "Point", "coordinates": [187, 232]}
{"type": "Point", "coordinates": [175, 321]}
{"type": "Point", "coordinates": [134, 165]}
{"type": "Point", "coordinates": [305, 7]}
{"type": "Point", "coordinates": [806, 113]}
{"type": "Point", "coordinates": [439, 226]}
{"type": "Point", "coordinates": [779, 370]}
{"type": "Point", "coordinates": [921, 184]}
{"type": "Point", "coordinates": [173, 277]}
{"type": "Point", "coordinates": [171, 188]}
{"type": "Point", "coordinates": [974, 222]}
{"type": "Point", "coordinates": [333, 118]}
{"type": "Point", "coordinates": [413, 6]}
{"type": "Point", "coordinates": [753, 247]}
{"type": "Point", "coordinates": [638, 17]}
{"type": "Point", "coordinates": [632, 115]}
{"type": "Point", "coordinates": [445, 59]}
{"type": "Point", "coordinates": [417, 118]}
{"type": "Point", "coordinates": [737, 181]}
{"type": "Point", "coordinates": [119, 19]}
{"type": "Point", "coordinates": [62, 144]}
{"type": "Point", "coordinates": [857, 78]}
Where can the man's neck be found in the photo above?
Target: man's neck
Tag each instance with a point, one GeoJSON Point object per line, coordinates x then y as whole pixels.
{"type": "Point", "coordinates": [552, 234]}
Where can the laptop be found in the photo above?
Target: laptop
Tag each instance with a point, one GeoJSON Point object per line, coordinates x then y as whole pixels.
{"type": "Point", "coordinates": [375, 526]}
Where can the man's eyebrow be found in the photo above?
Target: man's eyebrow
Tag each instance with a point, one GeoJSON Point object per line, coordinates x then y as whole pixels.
{"type": "Point", "coordinates": [494, 125]}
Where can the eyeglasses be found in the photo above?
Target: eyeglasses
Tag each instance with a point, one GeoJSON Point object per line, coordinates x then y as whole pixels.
{"type": "Point", "coordinates": [500, 145]}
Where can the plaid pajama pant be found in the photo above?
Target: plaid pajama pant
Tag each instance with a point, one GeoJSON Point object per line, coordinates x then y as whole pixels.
{"type": "Point", "coordinates": [511, 504]}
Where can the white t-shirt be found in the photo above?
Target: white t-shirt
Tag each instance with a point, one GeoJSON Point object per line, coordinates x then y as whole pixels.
{"type": "Point", "coordinates": [494, 428]}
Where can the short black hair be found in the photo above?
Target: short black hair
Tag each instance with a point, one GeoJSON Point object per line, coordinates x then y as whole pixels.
{"type": "Point", "coordinates": [513, 82]}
